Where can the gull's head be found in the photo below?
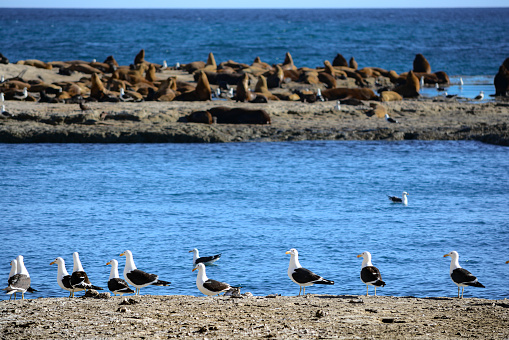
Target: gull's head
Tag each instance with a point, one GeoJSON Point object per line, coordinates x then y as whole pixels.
{"type": "Point", "coordinates": [292, 252]}
{"type": "Point", "coordinates": [453, 254]}
{"type": "Point", "coordinates": [194, 251]}
{"type": "Point", "coordinates": [405, 193]}
{"type": "Point", "coordinates": [112, 262]}
{"type": "Point", "coordinates": [199, 266]}
{"type": "Point", "coordinates": [58, 260]}
{"type": "Point", "coordinates": [127, 253]}
{"type": "Point", "coordinates": [365, 255]}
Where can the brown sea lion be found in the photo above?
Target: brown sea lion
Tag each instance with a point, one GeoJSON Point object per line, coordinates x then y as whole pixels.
{"type": "Point", "coordinates": [288, 63]}
{"type": "Point", "coordinates": [501, 81]}
{"type": "Point", "coordinates": [275, 78]}
{"type": "Point", "coordinates": [35, 63]}
{"type": "Point", "coordinates": [339, 60]}
{"type": "Point", "coordinates": [211, 65]}
{"type": "Point", "coordinates": [203, 117]}
{"type": "Point", "coordinates": [353, 64]}
{"type": "Point", "coordinates": [150, 74]}
{"type": "Point", "coordinates": [346, 93]}
{"type": "Point", "coordinates": [259, 64]}
{"type": "Point", "coordinates": [327, 79]}
{"type": "Point", "coordinates": [140, 57]}
{"type": "Point", "coordinates": [84, 68]}
{"type": "Point", "coordinates": [244, 94]}
{"type": "Point", "coordinates": [110, 60]}
{"type": "Point", "coordinates": [389, 96]}
{"type": "Point", "coordinates": [226, 115]}
{"type": "Point", "coordinates": [167, 90]}
{"type": "Point", "coordinates": [261, 87]}
{"type": "Point", "coordinates": [411, 87]}
{"type": "Point", "coordinates": [97, 90]}
{"type": "Point", "coordinates": [202, 92]}
{"type": "Point", "coordinates": [421, 64]}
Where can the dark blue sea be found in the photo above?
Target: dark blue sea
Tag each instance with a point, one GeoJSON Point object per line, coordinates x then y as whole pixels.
{"type": "Point", "coordinates": [254, 201]}
{"type": "Point", "coordinates": [461, 42]}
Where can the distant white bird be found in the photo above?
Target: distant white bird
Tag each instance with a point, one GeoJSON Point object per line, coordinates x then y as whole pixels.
{"type": "Point", "coordinates": [23, 96]}
{"type": "Point", "coordinates": [165, 64]}
{"type": "Point", "coordinates": [63, 277]}
{"type": "Point", "coordinates": [14, 271]}
{"type": "Point", "coordinates": [139, 278]}
{"type": "Point", "coordinates": [390, 119]}
{"type": "Point", "coordinates": [460, 276]}
{"type": "Point", "coordinates": [302, 276]}
{"type": "Point", "coordinates": [2, 79]}
{"type": "Point", "coordinates": [207, 286]}
{"type": "Point", "coordinates": [319, 95]}
{"type": "Point", "coordinates": [480, 96]}
{"type": "Point", "coordinates": [122, 92]}
{"type": "Point", "coordinates": [94, 60]}
{"type": "Point", "coordinates": [20, 282]}
{"type": "Point", "coordinates": [461, 82]}
{"type": "Point", "coordinates": [177, 65]}
{"type": "Point", "coordinates": [5, 113]}
{"type": "Point", "coordinates": [439, 88]}
{"type": "Point", "coordinates": [338, 105]}
{"type": "Point", "coordinates": [403, 200]}
{"type": "Point", "coordinates": [422, 81]}
{"type": "Point", "coordinates": [2, 97]}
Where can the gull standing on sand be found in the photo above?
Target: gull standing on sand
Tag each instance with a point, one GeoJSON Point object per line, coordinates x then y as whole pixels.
{"type": "Point", "coordinates": [63, 277]}
{"type": "Point", "coordinates": [14, 271]}
{"type": "Point", "coordinates": [116, 285]}
{"type": "Point", "coordinates": [207, 286]}
{"type": "Point", "coordinates": [79, 279]}
{"type": "Point", "coordinates": [460, 276]}
{"type": "Point", "coordinates": [338, 105]}
{"type": "Point", "coordinates": [390, 119]}
{"type": "Point", "coordinates": [139, 278]}
{"type": "Point", "coordinates": [370, 274]}
{"type": "Point", "coordinates": [19, 282]}
{"type": "Point", "coordinates": [302, 276]}
{"type": "Point", "coordinates": [403, 200]}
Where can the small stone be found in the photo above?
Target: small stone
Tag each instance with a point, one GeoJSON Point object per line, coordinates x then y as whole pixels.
{"type": "Point", "coordinates": [320, 313]}
{"type": "Point", "coordinates": [104, 295]}
{"type": "Point", "coordinates": [91, 293]}
{"type": "Point", "coordinates": [129, 301]}
{"type": "Point", "coordinates": [388, 320]}
{"type": "Point", "coordinates": [122, 310]}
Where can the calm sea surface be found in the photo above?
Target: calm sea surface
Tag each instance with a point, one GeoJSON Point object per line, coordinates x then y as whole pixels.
{"type": "Point", "coordinates": [467, 42]}
{"type": "Point", "coordinates": [254, 201]}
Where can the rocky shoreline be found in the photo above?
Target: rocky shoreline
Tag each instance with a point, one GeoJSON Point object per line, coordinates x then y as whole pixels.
{"type": "Point", "coordinates": [261, 317]}
{"type": "Point", "coordinates": [155, 122]}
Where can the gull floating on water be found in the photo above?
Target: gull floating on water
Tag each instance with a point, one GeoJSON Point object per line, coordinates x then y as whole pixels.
{"type": "Point", "coordinates": [461, 82]}
{"type": "Point", "coordinates": [403, 200]}
{"type": "Point", "coordinates": [204, 259]}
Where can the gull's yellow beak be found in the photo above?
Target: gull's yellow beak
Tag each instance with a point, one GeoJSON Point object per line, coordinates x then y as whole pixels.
{"type": "Point", "coordinates": [53, 262]}
{"type": "Point", "coordinates": [123, 254]}
{"type": "Point", "coordinates": [446, 255]}
{"type": "Point", "coordinates": [108, 263]}
{"type": "Point", "coordinates": [288, 252]}
{"type": "Point", "coordinates": [190, 251]}
{"type": "Point", "coordinates": [360, 255]}
{"type": "Point", "coordinates": [194, 268]}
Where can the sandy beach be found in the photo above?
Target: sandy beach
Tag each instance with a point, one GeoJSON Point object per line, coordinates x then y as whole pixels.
{"type": "Point", "coordinates": [435, 118]}
{"type": "Point", "coordinates": [260, 317]}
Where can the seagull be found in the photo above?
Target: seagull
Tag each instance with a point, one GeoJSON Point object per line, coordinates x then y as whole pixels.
{"type": "Point", "coordinates": [205, 259]}
{"type": "Point", "coordinates": [19, 282]}
{"type": "Point", "coordinates": [480, 96]}
{"type": "Point", "coordinates": [422, 81]}
{"type": "Point", "coordinates": [439, 88]}
{"type": "Point", "coordinates": [14, 271]}
{"type": "Point", "coordinates": [338, 105]}
{"type": "Point", "coordinates": [390, 119]}
{"type": "Point", "coordinates": [403, 200]}
{"type": "Point", "coordinates": [370, 274]}
{"type": "Point", "coordinates": [115, 284]}
{"type": "Point", "coordinates": [79, 279]}
{"type": "Point", "coordinates": [63, 277]}
{"type": "Point", "coordinates": [207, 286]}
{"type": "Point", "coordinates": [302, 276]}
{"type": "Point", "coordinates": [165, 64]}
{"type": "Point", "coordinates": [2, 97]}
{"type": "Point", "coordinates": [2, 79]}
{"type": "Point", "coordinates": [460, 276]}
{"type": "Point", "coordinates": [23, 96]}
{"type": "Point", "coordinates": [461, 82]}
{"type": "Point", "coordinates": [5, 113]}
{"type": "Point", "coordinates": [319, 95]}
{"type": "Point", "coordinates": [139, 278]}
{"type": "Point", "coordinates": [177, 66]}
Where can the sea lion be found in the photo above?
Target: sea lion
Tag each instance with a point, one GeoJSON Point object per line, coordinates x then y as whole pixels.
{"type": "Point", "coordinates": [244, 94]}
{"type": "Point", "coordinates": [259, 64]}
{"type": "Point", "coordinates": [353, 64]}
{"type": "Point", "coordinates": [288, 62]}
{"type": "Point", "coordinates": [150, 74]}
{"type": "Point", "coordinates": [202, 92]}
{"type": "Point", "coordinates": [276, 78]}
{"type": "Point", "coordinates": [203, 117]}
{"type": "Point", "coordinates": [501, 81]}
{"type": "Point", "coordinates": [226, 115]}
{"type": "Point", "coordinates": [35, 63]}
{"type": "Point", "coordinates": [211, 65]}
{"type": "Point", "coordinates": [97, 89]}
{"type": "Point", "coordinates": [339, 60]}
{"type": "Point", "coordinates": [327, 79]}
{"type": "Point", "coordinates": [411, 87]}
{"type": "Point", "coordinates": [421, 64]}
{"type": "Point", "coordinates": [389, 96]}
{"type": "Point", "coordinates": [167, 90]}
{"type": "Point", "coordinates": [261, 87]}
{"type": "Point", "coordinates": [140, 57]}
{"type": "Point", "coordinates": [345, 93]}
{"type": "Point", "coordinates": [110, 60]}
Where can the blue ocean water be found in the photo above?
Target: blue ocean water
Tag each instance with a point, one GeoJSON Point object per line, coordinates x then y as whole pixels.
{"type": "Point", "coordinates": [468, 42]}
{"type": "Point", "coordinates": [254, 201]}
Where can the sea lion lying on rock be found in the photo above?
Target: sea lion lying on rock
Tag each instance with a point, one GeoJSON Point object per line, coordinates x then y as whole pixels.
{"type": "Point", "coordinates": [203, 117]}
{"type": "Point", "coordinates": [226, 115]}
{"type": "Point", "coordinates": [345, 93]}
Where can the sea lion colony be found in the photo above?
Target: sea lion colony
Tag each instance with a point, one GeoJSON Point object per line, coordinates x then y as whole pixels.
{"type": "Point", "coordinates": [110, 82]}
